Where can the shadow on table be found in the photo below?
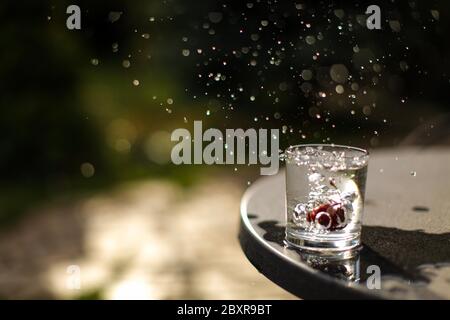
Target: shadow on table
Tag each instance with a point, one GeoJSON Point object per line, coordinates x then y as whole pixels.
{"type": "Point", "coordinates": [396, 252]}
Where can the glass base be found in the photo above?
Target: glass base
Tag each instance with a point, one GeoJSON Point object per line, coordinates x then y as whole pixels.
{"type": "Point", "coordinates": [323, 242]}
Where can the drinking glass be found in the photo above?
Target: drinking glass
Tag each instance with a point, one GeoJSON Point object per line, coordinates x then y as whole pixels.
{"type": "Point", "coordinates": [325, 186]}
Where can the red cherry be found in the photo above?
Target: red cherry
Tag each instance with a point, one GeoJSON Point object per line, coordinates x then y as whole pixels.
{"type": "Point", "coordinates": [328, 216]}
{"type": "Point", "coordinates": [331, 210]}
{"type": "Point", "coordinates": [311, 216]}
{"type": "Point", "coordinates": [324, 219]}
{"type": "Point", "coordinates": [340, 213]}
{"type": "Point", "coordinates": [339, 219]}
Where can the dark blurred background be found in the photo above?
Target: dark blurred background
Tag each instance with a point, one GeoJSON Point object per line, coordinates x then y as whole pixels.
{"type": "Point", "coordinates": [86, 117]}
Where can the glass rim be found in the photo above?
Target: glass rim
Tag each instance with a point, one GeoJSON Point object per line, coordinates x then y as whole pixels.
{"type": "Point", "coordinates": [330, 145]}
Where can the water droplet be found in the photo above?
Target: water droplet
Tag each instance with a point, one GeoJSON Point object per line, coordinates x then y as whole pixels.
{"type": "Point", "coordinates": [339, 73]}
{"type": "Point", "coordinates": [113, 16]}
{"type": "Point", "coordinates": [307, 75]}
{"type": "Point", "coordinates": [126, 63]}
{"type": "Point", "coordinates": [395, 25]}
{"type": "Point", "coordinates": [283, 86]}
{"type": "Point", "coordinates": [404, 66]}
{"type": "Point", "coordinates": [413, 173]}
{"type": "Point", "coordinates": [146, 36]}
{"type": "Point", "coordinates": [310, 40]}
{"type": "Point", "coordinates": [306, 87]}
{"type": "Point", "coordinates": [135, 82]}
{"type": "Point", "coordinates": [252, 98]}
{"type": "Point", "coordinates": [185, 52]}
{"type": "Point", "coordinates": [339, 89]}
{"type": "Point", "coordinates": [94, 62]}
{"type": "Point", "coordinates": [339, 13]}
{"type": "Point", "coordinates": [435, 14]}
{"type": "Point", "coordinates": [366, 110]}
{"type": "Point", "coordinates": [169, 101]}
{"type": "Point", "coordinates": [215, 17]}
{"type": "Point", "coordinates": [87, 169]}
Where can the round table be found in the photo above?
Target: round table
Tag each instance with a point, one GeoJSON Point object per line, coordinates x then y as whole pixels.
{"type": "Point", "coordinates": [406, 234]}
